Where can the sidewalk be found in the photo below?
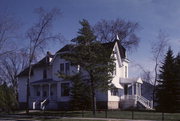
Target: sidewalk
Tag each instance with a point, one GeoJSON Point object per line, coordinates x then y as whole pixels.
{"type": "Point", "coordinates": [39, 118]}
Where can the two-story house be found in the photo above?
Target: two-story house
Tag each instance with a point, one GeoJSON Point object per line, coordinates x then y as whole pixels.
{"type": "Point", "coordinates": [45, 84]}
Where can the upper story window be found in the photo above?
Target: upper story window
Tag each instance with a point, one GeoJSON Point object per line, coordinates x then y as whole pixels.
{"type": "Point", "coordinates": [62, 67]}
{"type": "Point", "coordinates": [65, 89]}
{"type": "Point", "coordinates": [44, 74]}
{"type": "Point", "coordinates": [65, 68]}
{"type": "Point", "coordinates": [78, 68]}
{"type": "Point", "coordinates": [114, 72]}
{"type": "Point", "coordinates": [125, 72]}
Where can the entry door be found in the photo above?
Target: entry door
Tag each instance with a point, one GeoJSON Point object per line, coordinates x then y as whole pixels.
{"type": "Point", "coordinates": [125, 89]}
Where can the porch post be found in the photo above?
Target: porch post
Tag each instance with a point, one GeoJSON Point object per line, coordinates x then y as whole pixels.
{"type": "Point", "coordinates": [137, 89]}
{"type": "Point", "coordinates": [58, 90]}
{"type": "Point", "coordinates": [49, 91]}
{"type": "Point", "coordinates": [140, 89]}
{"type": "Point", "coordinates": [41, 93]}
{"type": "Point", "coordinates": [132, 88]}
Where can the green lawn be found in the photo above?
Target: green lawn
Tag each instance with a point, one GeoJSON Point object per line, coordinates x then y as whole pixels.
{"type": "Point", "coordinates": [110, 114]}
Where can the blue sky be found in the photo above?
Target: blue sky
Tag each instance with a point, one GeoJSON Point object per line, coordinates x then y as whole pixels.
{"type": "Point", "coordinates": [152, 15]}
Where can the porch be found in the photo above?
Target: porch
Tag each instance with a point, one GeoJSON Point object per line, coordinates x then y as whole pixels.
{"type": "Point", "coordinates": [43, 92]}
{"type": "Point", "coordinates": [132, 94]}
{"type": "Point", "coordinates": [132, 100]}
{"type": "Point", "coordinates": [132, 86]}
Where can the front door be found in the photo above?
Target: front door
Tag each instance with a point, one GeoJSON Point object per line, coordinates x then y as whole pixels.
{"type": "Point", "coordinates": [125, 89]}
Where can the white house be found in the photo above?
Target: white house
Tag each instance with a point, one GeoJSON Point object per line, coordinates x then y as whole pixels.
{"type": "Point", "coordinates": [45, 84]}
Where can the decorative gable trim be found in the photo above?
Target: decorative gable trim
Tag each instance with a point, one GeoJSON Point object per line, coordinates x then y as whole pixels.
{"type": "Point", "coordinates": [116, 48]}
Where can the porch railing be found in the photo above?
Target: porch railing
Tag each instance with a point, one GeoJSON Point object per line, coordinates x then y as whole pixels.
{"type": "Point", "coordinates": [145, 102]}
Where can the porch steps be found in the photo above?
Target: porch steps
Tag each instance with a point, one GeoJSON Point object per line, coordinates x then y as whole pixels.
{"type": "Point", "coordinates": [145, 102]}
{"type": "Point", "coordinates": [130, 101]}
{"type": "Point", "coordinates": [52, 104]}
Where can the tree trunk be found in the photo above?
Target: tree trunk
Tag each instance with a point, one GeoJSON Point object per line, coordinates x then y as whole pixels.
{"type": "Point", "coordinates": [93, 96]}
{"type": "Point", "coordinates": [27, 97]}
{"type": "Point", "coordinates": [93, 102]}
{"type": "Point", "coordinates": [155, 80]}
{"type": "Point", "coordinates": [28, 90]}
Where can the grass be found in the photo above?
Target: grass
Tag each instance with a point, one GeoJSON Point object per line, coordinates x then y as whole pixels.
{"type": "Point", "coordinates": [116, 114]}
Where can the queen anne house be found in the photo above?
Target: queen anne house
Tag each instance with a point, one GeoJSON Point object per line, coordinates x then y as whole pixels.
{"type": "Point", "coordinates": [46, 85]}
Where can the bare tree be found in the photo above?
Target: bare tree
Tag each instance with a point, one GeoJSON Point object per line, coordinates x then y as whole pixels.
{"type": "Point", "coordinates": [9, 26]}
{"type": "Point", "coordinates": [146, 75]}
{"type": "Point", "coordinates": [158, 48]}
{"type": "Point", "coordinates": [10, 66]}
{"type": "Point", "coordinates": [39, 35]}
{"type": "Point", "coordinates": [106, 31]}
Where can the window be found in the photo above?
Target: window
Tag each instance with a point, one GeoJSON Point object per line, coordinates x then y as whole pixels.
{"type": "Point", "coordinates": [62, 67]}
{"type": "Point", "coordinates": [78, 68]}
{"type": "Point", "coordinates": [67, 68]}
{"type": "Point", "coordinates": [125, 89]}
{"type": "Point", "coordinates": [114, 92]}
{"type": "Point", "coordinates": [65, 89]}
{"type": "Point", "coordinates": [44, 74]}
{"type": "Point", "coordinates": [114, 72]}
{"type": "Point", "coordinates": [125, 71]}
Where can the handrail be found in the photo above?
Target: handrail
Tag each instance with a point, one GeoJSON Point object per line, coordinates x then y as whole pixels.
{"type": "Point", "coordinates": [144, 101]}
{"type": "Point", "coordinates": [141, 99]}
{"type": "Point", "coordinates": [44, 103]}
{"type": "Point", "coordinates": [35, 103]}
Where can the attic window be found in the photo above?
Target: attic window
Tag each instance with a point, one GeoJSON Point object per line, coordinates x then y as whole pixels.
{"type": "Point", "coordinates": [114, 72]}
{"type": "Point", "coordinates": [50, 59]}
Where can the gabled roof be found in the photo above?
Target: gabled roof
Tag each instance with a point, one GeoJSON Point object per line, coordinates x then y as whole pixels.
{"type": "Point", "coordinates": [108, 46]}
{"type": "Point", "coordinates": [24, 72]}
{"type": "Point", "coordinates": [122, 50]}
{"type": "Point", "coordinates": [41, 63]}
{"type": "Point", "coordinates": [67, 47]}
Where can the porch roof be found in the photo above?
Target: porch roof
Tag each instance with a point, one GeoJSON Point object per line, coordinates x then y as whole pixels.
{"type": "Point", "coordinates": [44, 81]}
{"type": "Point", "coordinates": [117, 85]}
{"type": "Point", "coordinates": [130, 80]}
